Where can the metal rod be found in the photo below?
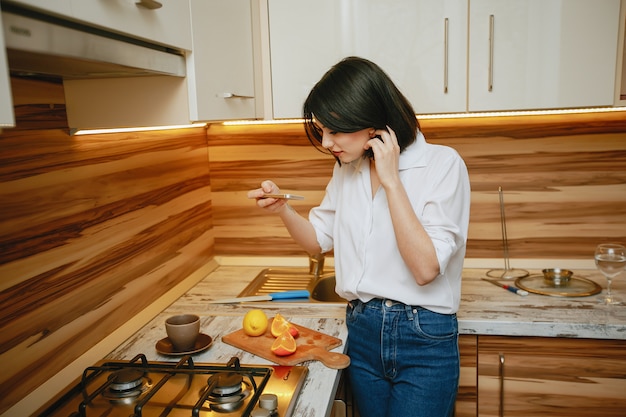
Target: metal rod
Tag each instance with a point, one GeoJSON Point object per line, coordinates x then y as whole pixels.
{"type": "Point", "coordinates": [505, 240]}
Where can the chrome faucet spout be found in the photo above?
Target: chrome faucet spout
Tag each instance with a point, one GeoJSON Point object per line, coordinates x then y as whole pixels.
{"type": "Point", "coordinates": [316, 265]}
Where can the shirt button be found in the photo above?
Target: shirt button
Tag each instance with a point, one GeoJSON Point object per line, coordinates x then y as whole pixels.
{"type": "Point", "coordinates": [388, 303]}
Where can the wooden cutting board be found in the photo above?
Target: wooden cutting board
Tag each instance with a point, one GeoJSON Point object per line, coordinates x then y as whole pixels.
{"type": "Point", "coordinates": [311, 345]}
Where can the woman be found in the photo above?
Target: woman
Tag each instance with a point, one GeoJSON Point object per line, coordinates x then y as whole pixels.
{"type": "Point", "coordinates": [396, 213]}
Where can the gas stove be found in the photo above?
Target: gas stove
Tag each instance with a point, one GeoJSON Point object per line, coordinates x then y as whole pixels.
{"type": "Point", "coordinates": [139, 388]}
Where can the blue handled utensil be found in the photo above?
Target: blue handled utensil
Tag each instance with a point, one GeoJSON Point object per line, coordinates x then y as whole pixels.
{"type": "Point", "coordinates": [275, 296]}
{"type": "Point", "coordinates": [511, 288]}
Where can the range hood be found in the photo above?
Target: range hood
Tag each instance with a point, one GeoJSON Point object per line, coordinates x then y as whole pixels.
{"type": "Point", "coordinates": [40, 45]}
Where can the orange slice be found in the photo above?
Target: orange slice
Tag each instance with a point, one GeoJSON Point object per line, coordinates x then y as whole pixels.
{"type": "Point", "coordinates": [284, 344]}
{"type": "Point", "coordinates": [280, 324]}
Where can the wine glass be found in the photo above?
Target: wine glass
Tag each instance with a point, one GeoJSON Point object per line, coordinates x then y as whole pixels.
{"type": "Point", "coordinates": [610, 260]}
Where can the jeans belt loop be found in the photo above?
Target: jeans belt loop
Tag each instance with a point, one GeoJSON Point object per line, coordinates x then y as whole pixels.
{"type": "Point", "coordinates": [410, 311]}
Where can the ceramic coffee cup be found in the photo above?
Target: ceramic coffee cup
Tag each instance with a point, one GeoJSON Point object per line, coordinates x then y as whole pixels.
{"type": "Point", "coordinates": [183, 330]}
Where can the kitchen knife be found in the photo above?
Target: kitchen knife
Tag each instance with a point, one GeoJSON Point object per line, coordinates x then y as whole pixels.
{"type": "Point", "coordinates": [275, 296]}
{"type": "Point", "coordinates": [284, 196]}
{"type": "Point", "coordinates": [511, 288]}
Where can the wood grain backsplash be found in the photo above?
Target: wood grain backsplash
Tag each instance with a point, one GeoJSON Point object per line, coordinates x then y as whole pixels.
{"type": "Point", "coordinates": [563, 180]}
{"type": "Point", "coordinates": [93, 229]}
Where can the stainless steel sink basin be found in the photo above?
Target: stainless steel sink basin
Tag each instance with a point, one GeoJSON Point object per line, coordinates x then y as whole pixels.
{"type": "Point", "coordinates": [271, 280]}
{"type": "Point", "coordinates": [324, 290]}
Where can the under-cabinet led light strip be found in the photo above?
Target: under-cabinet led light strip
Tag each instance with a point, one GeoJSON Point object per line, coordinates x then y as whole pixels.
{"type": "Point", "coordinates": [419, 116]}
{"type": "Point", "coordinates": [453, 115]}
{"type": "Point", "coordinates": [136, 129]}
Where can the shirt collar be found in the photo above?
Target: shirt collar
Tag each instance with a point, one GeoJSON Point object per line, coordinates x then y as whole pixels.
{"type": "Point", "coordinates": [414, 155]}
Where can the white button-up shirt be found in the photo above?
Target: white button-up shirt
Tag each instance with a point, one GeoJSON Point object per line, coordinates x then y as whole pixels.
{"type": "Point", "coordinates": [358, 226]}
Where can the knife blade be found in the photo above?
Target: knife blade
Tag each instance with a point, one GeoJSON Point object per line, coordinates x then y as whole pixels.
{"type": "Point", "coordinates": [511, 288]}
{"type": "Point", "coordinates": [284, 196]}
{"type": "Point", "coordinates": [283, 295]}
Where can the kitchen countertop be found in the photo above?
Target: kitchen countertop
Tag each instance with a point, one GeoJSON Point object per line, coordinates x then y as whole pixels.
{"type": "Point", "coordinates": [485, 310]}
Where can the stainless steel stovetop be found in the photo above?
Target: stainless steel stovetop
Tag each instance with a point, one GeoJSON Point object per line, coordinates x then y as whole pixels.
{"type": "Point", "coordinates": [142, 388]}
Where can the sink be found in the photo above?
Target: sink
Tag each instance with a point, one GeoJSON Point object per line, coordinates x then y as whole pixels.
{"type": "Point", "coordinates": [324, 290]}
{"type": "Point", "coordinates": [272, 280]}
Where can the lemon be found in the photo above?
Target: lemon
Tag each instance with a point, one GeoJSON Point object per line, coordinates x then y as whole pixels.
{"type": "Point", "coordinates": [255, 323]}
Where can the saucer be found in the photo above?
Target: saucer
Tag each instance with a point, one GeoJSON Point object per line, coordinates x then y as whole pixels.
{"type": "Point", "coordinates": [165, 346]}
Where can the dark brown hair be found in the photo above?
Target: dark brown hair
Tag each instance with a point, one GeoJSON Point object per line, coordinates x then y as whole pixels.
{"type": "Point", "coordinates": [356, 94]}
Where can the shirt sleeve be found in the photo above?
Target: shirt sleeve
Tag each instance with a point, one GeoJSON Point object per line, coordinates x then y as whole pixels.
{"type": "Point", "coordinates": [445, 215]}
{"type": "Point", "coordinates": [323, 217]}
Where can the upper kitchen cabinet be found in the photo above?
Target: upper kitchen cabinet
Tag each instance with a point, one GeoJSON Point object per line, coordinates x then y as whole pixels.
{"type": "Point", "coordinates": [452, 56]}
{"type": "Point", "coordinates": [542, 54]}
{"type": "Point", "coordinates": [6, 101]}
{"type": "Point", "coordinates": [221, 66]}
{"type": "Point", "coordinates": [161, 22]}
{"type": "Point", "coordinates": [420, 44]}
{"type": "Point", "coordinates": [58, 7]}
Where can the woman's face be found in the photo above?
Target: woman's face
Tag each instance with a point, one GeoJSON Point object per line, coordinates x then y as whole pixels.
{"type": "Point", "coordinates": [346, 147]}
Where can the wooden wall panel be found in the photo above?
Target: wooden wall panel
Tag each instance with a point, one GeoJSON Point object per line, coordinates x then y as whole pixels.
{"type": "Point", "coordinates": [93, 229]}
{"type": "Point", "coordinates": [563, 176]}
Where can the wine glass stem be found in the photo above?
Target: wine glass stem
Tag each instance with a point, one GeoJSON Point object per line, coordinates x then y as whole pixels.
{"type": "Point", "coordinates": [608, 288]}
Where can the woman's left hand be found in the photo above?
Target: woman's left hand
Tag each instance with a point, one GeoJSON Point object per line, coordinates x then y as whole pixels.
{"type": "Point", "coordinates": [386, 156]}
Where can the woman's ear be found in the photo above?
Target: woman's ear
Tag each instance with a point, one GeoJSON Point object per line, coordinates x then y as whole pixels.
{"type": "Point", "coordinates": [372, 133]}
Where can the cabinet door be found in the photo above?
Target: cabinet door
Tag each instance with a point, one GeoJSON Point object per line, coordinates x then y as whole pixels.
{"type": "Point", "coordinates": [6, 99]}
{"type": "Point", "coordinates": [169, 25]}
{"type": "Point", "coordinates": [526, 376]}
{"type": "Point", "coordinates": [58, 7]}
{"type": "Point", "coordinates": [305, 41]}
{"type": "Point", "coordinates": [420, 44]}
{"type": "Point", "coordinates": [221, 65]}
{"type": "Point", "coordinates": [541, 54]}
{"type": "Point", "coordinates": [467, 395]}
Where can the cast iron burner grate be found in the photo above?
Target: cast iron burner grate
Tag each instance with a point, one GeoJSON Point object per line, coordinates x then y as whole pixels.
{"type": "Point", "coordinates": [135, 383]}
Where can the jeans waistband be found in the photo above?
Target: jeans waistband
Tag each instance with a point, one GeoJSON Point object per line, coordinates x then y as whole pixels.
{"type": "Point", "coordinates": [384, 304]}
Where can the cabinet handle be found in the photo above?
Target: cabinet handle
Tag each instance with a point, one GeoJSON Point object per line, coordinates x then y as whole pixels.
{"type": "Point", "coordinates": [149, 4]}
{"type": "Point", "coordinates": [445, 55]}
{"type": "Point", "coordinates": [231, 95]}
{"type": "Point", "coordinates": [491, 42]}
{"type": "Point", "coordinates": [501, 378]}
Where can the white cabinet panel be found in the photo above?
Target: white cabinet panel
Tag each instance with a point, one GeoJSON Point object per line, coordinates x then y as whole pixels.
{"type": "Point", "coordinates": [169, 25]}
{"type": "Point", "coordinates": [221, 65]}
{"type": "Point", "coordinates": [420, 44]}
{"type": "Point", "coordinates": [543, 54]}
{"type": "Point", "coordinates": [7, 118]}
{"type": "Point", "coordinates": [56, 7]}
{"type": "Point", "coordinates": [443, 54]}
{"type": "Point", "coordinates": [305, 41]}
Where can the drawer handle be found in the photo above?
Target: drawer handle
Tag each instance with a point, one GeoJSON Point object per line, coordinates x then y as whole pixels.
{"type": "Point", "coordinates": [231, 95]}
{"type": "Point", "coordinates": [501, 378]}
{"type": "Point", "coordinates": [445, 55]}
{"type": "Point", "coordinates": [149, 4]}
{"type": "Point", "coordinates": [491, 43]}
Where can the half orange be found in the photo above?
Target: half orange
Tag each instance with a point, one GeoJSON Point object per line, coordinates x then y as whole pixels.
{"type": "Point", "coordinates": [284, 344]}
{"type": "Point", "coordinates": [280, 324]}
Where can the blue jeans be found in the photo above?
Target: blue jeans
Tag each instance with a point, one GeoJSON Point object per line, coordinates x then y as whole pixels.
{"type": "Point", "coordinates": [404, 360]}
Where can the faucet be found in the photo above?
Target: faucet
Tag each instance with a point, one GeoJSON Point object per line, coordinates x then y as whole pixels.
{"type": "Point", "coordinates": [316, 265]}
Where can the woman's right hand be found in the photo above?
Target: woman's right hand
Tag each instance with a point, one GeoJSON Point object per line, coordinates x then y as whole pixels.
{"type": "Point", "coordinates": [271, 204]}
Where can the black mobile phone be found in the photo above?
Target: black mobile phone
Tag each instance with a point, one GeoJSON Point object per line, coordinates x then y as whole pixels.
{"type": "Point", "coordinates": [370, 152]}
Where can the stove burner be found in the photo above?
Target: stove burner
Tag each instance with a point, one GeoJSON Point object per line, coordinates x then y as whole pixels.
{"type": "Point", "coordinates": [228, 392]}
{"type": "Point", "coordinates": [225, 383]}
{"type": "Point", "coordinates": [125, 379]}
{"type": "Point", "coordinates": [126, 385]}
